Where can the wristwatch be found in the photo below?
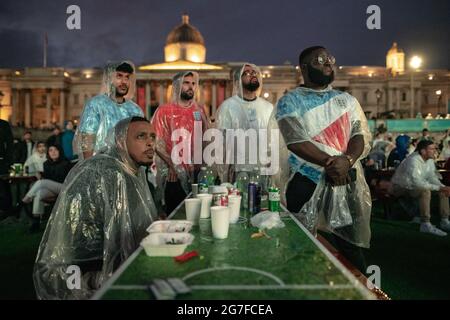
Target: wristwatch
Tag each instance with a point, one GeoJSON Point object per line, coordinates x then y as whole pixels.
{"type": "Point", "coordinates": [350, 159]}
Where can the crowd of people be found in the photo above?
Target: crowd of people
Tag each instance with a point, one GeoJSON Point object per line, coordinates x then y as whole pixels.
{"type": "Point", "coordinates": [131, 171]}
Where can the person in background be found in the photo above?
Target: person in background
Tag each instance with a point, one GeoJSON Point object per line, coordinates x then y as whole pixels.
{"type": "Point", "coordinates": [416, 177]}
{"type": "Point", "coordinates": [56, 169]}
{"type": "Point", "coordinates": [67, 141]}
{"type": "Point", "coordinates": [426, 135]}
{"type": "Point", "coordinates": [55, 138]}
{"type": "Point", "coordinates": [35, 163]}
{"type": "Point", "coordinates": [413, 145]}
{"type": "Point", "coordinates": [6, 158]}
{"type": "Point", "coordinates": [24, 149]}
{"type": "Point", "coordinates": [399, 153]}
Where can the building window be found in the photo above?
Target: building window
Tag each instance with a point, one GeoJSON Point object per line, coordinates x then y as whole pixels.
{"type": "Point", "coordinates": [76, 98]}
{"type": "Point", "coordinates": [403, 96]}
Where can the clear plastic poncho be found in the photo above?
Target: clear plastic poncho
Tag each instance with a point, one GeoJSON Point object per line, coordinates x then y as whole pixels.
{"type": "Point", "coordinates": [102, 112]}
{"type": "Point", "coordinates": [167, 121]}
{"type": "Point", "coordinates": [328, 119]}
{"type": "Point", "coordinates": [98, 221]}
{"type": "Point", "coordinates": [238, 113]}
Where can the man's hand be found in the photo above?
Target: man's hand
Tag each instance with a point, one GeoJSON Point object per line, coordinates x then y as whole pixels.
{"type": "Point", "coordinates": [337, 169]}
{"type": "Point", "coordinates": [445, 191]}
{"type": "Point", "coordinates": [172, 176]}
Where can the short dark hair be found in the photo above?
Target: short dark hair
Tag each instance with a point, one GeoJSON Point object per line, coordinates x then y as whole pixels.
{"type": "Point", "coordinates": [125, 67]}
{"type": "Point", "coordinates": [425, 130]}
{"type": "Point", "coordinates": [27, 132]}
{"type": "Point", "coordinates": [139, 119]}
{"type": "Point", "coordinates": [423, 144]}
{"type": "Point", "coordinates": [306, 52]}
{"type": "Point", "coordinates": [189, 74]}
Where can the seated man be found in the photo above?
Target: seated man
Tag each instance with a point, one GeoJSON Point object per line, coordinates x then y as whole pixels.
{"type": "Point", "coordinates": [100, 217]}
{"type": "Point", "coordinates": [416, 177]}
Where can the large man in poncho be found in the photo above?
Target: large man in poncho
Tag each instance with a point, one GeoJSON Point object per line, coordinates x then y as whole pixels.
{"type": "Point", "coordinates": [326, 133]}
{"type": "Point", "coordinates": [100, 216]}
{"type": "Point", "coordinates": [244, 110]}
{"type": "Point", "coordinates": [102, 112]}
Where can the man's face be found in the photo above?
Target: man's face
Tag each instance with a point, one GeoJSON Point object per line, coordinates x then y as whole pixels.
{"type": "Point", "coordinates": [425, 133]}
{"type": "Point", "coordinates": [27, 137]}
{"type": "Point", "coordinates": [140, 142]}
{"type": "Point", "coordinates": [249, 78]}
{"type": "Point", "coordinates": [429, 152]}
{"type": "Point", "coordinates": [53, 153]}
{"type": "Point", "coordinates": [69, 125]}
{"type": "Point", "coordinates": [319, 68]}
{"type": "Point", "coordinates": [56, 131]}
{"type": "Point", "coordinates": [188, 88]}
{"type": "Point", "coordinates": [121, 82]}
{"type": "Point", "coordinates": [41, 148]}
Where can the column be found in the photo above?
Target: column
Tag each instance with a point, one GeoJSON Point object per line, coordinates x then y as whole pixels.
{"type": "Point", "coordinates": [202, 96]}
{"type": "Point", "coordinates": [162, 92]}
{"type": "Point", "coordinates": [27, 108]}
{"type": "Point", "coordinates": [147, 99]}
{"type": "Point", "coordinates": [397, 99]}
{"type": "Point", "coordinates": [62, 108]}
{"type": "Point", "coordinates": [389, 99]}
{"type": "Point", "coordinates": [14, 106]}
{"type": "Point", "coordinates": [419, 102]}
{"type": "Point", "coordinates": [48, 106]}
{"type": "Point", "coordinates": [214, 98]}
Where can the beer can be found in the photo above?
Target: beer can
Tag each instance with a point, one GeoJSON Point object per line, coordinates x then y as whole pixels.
{"type": "Point", "coordinates": [254, 197]}
{"type": "Point", "coordinates": [274, 199]}
{"type": "Point", "coordinates": [220, 199]}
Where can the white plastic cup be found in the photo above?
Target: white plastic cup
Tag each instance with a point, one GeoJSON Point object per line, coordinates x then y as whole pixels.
{"type": "Point", "coordinates": [193, 207]}
{"type": "Point", "coordinates": [206, 200]}
{"type": "Point", "coordinates": [220, 221]}
{"type": "Point", "coordinates": [234, 204]}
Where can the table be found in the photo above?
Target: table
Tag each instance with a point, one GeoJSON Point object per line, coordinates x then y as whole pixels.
{"type": "Point", "coordinates": [292, 264]}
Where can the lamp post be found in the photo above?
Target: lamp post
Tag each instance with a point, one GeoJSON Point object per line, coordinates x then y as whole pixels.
{"type": "Point", "coordinates": [439, 95]}
{"type": "Point", "coordinates": [378, 94]}
{"type": "Point", "coordinates": [415, 64]}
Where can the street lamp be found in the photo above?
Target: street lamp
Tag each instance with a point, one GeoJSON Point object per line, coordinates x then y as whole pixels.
{"type": "Point", "coordinates": [415, 64]}
{"type": "Point", "coordinates": [378, 94]}
{"type": "Point", "coordinates": [439, 94]}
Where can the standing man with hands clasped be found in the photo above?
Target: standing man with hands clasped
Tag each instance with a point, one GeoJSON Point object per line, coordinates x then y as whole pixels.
{"type": "Point", "coordinates": [326, 133]}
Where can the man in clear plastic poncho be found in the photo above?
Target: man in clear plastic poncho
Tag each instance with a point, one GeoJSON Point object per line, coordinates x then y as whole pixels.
{"type": "Point", "coordinates": [102, 112]}
{"type": "Point", "coordinates": [100, 217]}
{"type": "Point", "coordinates": [326, 133]}
{"type": "Point", "coordinates": [176, 146]}
{"type": "Point", "coordinates": [244, 110]}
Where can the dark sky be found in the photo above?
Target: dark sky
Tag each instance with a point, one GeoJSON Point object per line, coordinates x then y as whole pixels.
{"type": "Point", "coordinates": [263, 32]}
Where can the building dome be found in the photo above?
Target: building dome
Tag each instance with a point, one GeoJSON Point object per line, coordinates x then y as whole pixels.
{"type": "Point", "coordinates": [394, 49]}
{"type": "Point", "coordinates": [185, 32]}
{"type": "Point", "coordinates": [185, 43]}
{"type": "Point", "coordinates": [395, 60]}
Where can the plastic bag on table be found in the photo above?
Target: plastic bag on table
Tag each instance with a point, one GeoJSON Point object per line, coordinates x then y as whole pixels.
{"type": "Point", "coordinates": [267, 220]}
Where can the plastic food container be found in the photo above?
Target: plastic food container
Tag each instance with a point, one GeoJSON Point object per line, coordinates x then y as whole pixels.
{"type": "Point", "coordinates": [170, 226]}
{"type": "Point", "coordinates": [166, 244]}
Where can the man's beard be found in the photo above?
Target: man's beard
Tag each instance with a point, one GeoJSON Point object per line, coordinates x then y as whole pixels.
{"type": "Point", "coordinates": [317, 77]}
{"type": "Point", "coordinates": [120, 94]}
{"type": "Point", "coordinates": [187, 95]}
{"type": "Point", "coordinates": [251, 86]}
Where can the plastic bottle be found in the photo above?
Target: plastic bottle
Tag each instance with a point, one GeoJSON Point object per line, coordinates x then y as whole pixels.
{"type": "Point", "coordinates": [242, 180]}
{"type": "Point", "coordinates": [203, 180]}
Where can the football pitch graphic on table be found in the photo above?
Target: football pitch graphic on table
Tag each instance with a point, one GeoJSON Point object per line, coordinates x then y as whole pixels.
{"type": "Point", "coordinates": [287, 263]}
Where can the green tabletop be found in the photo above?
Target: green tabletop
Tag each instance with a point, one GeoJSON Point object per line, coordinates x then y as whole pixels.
{"type": "Point", "coordinates": [288, 264]}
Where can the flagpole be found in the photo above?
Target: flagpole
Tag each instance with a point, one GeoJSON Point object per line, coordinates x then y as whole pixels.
{"type": "Point", "coordinates": [45, 50]}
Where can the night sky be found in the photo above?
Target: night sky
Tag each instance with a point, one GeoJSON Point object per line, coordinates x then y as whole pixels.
{"type": "Point", "coordinates": [262, 32]}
